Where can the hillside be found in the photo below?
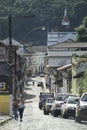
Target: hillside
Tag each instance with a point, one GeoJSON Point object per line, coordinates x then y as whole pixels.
{"type": "Point", "coordinates": [47, 12]}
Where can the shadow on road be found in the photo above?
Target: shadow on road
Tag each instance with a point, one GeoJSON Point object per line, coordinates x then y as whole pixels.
{"type": "Point", "coordinates": [28, 101]}
{"type": "Point", "coordinates": [29, 96]}
{"type": "Point", "coordinates": [27, 88]}
{"type": "Point", "coordinates": [83, 122]}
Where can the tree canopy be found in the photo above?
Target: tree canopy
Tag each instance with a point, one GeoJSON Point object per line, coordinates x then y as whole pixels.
{"type": "Point", "coordinates": [47, 12]}
{"type": "Point", "coordinates": [82, 31]}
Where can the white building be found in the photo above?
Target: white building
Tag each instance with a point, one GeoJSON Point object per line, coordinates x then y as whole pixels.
{"type": "Point", "coordinates": [59, 37]}
{"type": "Point", "coordinates": [38, 62]}
{"type": "Point", "coordinates": [60, 55]}
{"type": "Point", "coordinates": [36, 59]}
{"type": "Point", "coordinates": [56, 54]}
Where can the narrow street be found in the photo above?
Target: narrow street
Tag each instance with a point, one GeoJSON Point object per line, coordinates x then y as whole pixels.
{"type": "Point", "coordinates": [34, 119]}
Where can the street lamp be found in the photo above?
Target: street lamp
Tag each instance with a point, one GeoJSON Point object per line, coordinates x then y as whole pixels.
{"type": "Point", "coordinates": [41, 27]}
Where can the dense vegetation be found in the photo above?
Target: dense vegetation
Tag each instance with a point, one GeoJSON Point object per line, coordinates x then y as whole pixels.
{"type": "Point", "coordinates": [82, 31]}
{"type": "Point", "coordinates": [47, 12]}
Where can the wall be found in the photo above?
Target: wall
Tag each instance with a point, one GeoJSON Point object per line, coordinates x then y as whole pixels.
{"type": "Point", "coordinates": [4, 104]}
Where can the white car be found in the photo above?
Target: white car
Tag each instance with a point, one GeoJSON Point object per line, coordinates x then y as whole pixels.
{"type": "Point", "coordinates": [47, 106]}
{"type": "Point", "coordinates": [81, 109]}
{"type": "Point", "coordinates": [68, 108]}
{"type": "Point", "coordinates": [59, 100]}
{"type": "Point", "coordinates": [39, 84]}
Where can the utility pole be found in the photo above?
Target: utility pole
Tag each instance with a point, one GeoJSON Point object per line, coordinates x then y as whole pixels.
{"type": "Point", "coordinates": [10, 54]}
{"type": "Point", "coordinates": [10, 65]}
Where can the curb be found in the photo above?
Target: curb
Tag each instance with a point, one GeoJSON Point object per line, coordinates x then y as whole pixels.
{"type": "Point", "coordinates": [5, 120]}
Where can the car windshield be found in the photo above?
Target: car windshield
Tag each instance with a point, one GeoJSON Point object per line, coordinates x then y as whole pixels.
{"type": "Point", "coordinates": [84, 98]}
{"type": "Point", "coordinates": [72, 100]}
{"type": "Point", "coordinates": [61, 97]}
{"type": "Point", "coordinates": [50, 100]}
{"type": "Point", "coordinates": [45, 96]}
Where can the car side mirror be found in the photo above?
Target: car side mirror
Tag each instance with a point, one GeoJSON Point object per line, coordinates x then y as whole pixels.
{"type": "Point", "coordinates": [64, 102]}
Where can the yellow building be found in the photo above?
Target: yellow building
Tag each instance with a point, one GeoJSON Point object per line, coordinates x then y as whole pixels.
{"type": "Point", "coordinates": [79, 65]}
{"type": "Point", "coordinates": [4, 99]}
{"type": "Point", "coordinates": [4, 104]}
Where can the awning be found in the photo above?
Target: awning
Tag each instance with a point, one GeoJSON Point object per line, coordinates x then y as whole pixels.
{"type": "Point", "coordinates": [65, 67]}
{"type": "Point", "coordinates": [78, 75]}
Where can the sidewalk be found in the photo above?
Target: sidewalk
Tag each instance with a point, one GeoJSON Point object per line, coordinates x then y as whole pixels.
{"type": "Point", "coordinates": [4, 118]}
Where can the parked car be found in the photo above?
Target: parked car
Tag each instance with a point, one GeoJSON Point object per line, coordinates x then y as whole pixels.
{"type": "Point", "coordinates": [59, 99]}
{"type": "Point", "coordinates": [39, 84]}
{"type": "Point", "coordinates": [68, 108]}
{"type": "Point", "coordinates": [47, 106]}
{"type": "Point", "coordinates": [81, 109]}
{"type": "Point", "coordinates": [33, 75]}
{"type": "Point", "coordinates": [42, 75]}
{"type": "Point", "coordinates": [43, 97]}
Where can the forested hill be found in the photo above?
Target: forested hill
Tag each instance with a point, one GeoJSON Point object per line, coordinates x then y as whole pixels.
{"type": "Point", "coordinates": [47, 12]}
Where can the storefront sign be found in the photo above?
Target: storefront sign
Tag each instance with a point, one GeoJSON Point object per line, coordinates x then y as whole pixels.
{"type": "Point", "coordinates": [2, 86]}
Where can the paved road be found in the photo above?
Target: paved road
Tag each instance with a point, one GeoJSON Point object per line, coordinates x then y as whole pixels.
{"type": "Point", "coordinates": [34, 119]}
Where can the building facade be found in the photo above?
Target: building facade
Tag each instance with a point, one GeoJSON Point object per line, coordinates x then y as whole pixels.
{"type": "Point", "coordinates": [36, 59]}
{"type": "Point", "coordinates": [59, 55]}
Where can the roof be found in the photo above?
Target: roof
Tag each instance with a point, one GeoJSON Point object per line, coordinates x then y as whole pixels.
{"type": "Point", "coordinates": [14, 42]}
{"type": "Point", "coordinates": [1, 43]}
{"type": "Point", "coordinates": [39, 48]}
{"type": "Point", "coordinates": [54, 38]}
{"type": "Point", "coordinates": [69, 45]}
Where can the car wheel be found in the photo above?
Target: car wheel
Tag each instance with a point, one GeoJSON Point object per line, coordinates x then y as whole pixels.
{"type": "Point", "coordinates": [77, 119]}
{"type": "Point", "coordinates": [55, 114]}
{"type": "Point", "coordinates": [51, 113]}
{"type": "Point", "coordinates": [66, 116]}
{"type": "Point", "coordinates": [45, 112]}
{"type": "Point", "coordinates": [40, 107]}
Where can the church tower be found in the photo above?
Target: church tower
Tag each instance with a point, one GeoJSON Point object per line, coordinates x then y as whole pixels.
{"type": "Point", "coordinates": [65, 20]}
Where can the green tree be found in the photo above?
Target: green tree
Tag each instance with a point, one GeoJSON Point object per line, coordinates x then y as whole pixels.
{"type": "Point", "coordinates": [48, 13]}
{"type": "Point", "coordinates": [82, 83]}
{"type": "Point", "coordinates": [82, 31]}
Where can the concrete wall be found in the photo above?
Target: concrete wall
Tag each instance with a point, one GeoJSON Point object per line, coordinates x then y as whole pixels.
{"type": "Point", "coordinates": [4, 104]}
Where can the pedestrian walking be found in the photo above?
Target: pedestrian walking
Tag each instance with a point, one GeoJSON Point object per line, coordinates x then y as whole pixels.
{"type": "Point", "coordinates": [42, 85]}
{"type": "Point", "coordinates": [21, 108]}
{"type": "Point", "coordinates": [33, 83]}
{"type": "Point", "coordinates": [15, 109]}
